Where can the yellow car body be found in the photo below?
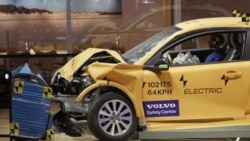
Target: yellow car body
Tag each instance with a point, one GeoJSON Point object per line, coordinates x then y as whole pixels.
{"type": "Point", "coordinates": [176, 97]}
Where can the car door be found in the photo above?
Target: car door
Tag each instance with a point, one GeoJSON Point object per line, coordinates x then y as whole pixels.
{"type": "Point", "coordinates": [201, 91]}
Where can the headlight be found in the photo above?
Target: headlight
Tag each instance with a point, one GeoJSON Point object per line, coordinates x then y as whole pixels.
{"type": "Point", "coordinates": [88, 81]}
{"type": "Point", "coordinates": [82, 82]}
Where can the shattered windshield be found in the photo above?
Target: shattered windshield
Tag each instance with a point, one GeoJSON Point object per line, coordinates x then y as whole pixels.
{"type": "Point", "coordinates": [135, 54]}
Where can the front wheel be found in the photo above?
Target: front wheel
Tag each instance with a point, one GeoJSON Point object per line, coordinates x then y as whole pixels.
{"type": "Point", "coordinates": [112, 117]}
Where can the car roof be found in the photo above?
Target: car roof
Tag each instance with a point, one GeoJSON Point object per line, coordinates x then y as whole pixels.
{"type": "Point", "coordinates": [216, 22]}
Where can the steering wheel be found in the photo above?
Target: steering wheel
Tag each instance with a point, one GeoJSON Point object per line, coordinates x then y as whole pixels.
{"type": "Point", "coordinates": [167, 57]}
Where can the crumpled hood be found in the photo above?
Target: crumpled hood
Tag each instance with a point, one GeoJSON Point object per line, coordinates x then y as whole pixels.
{"type": "Point", "coordinates": [128, 75]}
{"type": "Point", "coordinates": [76, 62]}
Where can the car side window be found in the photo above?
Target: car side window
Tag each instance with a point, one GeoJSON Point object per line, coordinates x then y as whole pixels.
{"type": "Point", "coordinates": [214, 47]}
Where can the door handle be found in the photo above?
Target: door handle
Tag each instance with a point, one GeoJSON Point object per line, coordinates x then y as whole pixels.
{"type": "Point", "coordinates": [233, 75]}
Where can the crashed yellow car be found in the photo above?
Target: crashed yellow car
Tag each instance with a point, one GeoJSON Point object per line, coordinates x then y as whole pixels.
{"type": "Point", "coordinates": [188, 81]}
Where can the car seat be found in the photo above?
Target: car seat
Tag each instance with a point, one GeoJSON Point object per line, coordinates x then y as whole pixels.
{"type": "Point", "coordinates": [236, 42]}
{"type": "Point", "coordinates": [230, 54]}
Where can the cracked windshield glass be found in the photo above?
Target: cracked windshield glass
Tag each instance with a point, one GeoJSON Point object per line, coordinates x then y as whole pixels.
{"type": "Point", "coordinates": [138, 52]}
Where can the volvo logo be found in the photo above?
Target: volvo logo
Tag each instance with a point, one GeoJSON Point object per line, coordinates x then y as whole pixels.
{"type": "Point", "coordinates": [161, 106]}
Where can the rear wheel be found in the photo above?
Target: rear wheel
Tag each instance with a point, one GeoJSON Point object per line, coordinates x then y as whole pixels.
{"type": "Point", "coordinates": [112, 117]}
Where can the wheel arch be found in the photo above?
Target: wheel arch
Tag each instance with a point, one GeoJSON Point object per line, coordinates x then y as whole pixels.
{"type": "Point", "coordinates": [118, 88]}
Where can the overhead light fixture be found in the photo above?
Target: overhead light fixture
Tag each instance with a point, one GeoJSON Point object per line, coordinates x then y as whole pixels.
{"type": "Point", "coordinates": [147, 1]}
{"type": "Point", "coordinates": [7, 76]}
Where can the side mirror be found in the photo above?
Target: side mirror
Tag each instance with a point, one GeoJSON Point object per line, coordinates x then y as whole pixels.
{"type": "Point", "coordinates": [161, 65]}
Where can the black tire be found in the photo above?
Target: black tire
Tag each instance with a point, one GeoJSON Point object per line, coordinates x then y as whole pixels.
{"type": "Point", "coordinates": [62, 121]}
{"type": "Point", "coordinates": [101, 119]}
